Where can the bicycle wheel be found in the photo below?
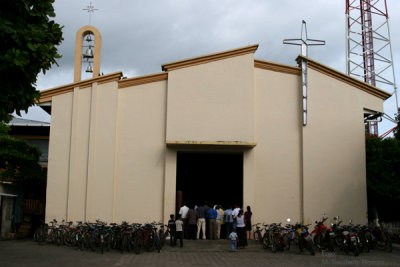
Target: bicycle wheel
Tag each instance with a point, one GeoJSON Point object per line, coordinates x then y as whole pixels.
{"type": "Point", "coordinates": [125, 243]}
{"type": "Point", "coordinates": [161, 237]}
{"type": "Point", "coordinates": [259, 237]}
{"type": "Point", "coordinates": [364, 244]}
{"type": "Point", "coordinates": [36, 236]}
{"type": "Point", "coordinates": [286, 240]}
{"type": "Point", "coordinates": [42, 238]}
{"type": "Point", "coordinates": [388, 242]}
{"type": "Point", "coordinates": [69, 239]}
{"type": "Point", "coordinates": [79, 240]}
{"type": "Point", "coordinates": [86, 240]}
{"type": "Point", "coordinates": [274, 245]}
{"type": "Point", "coordinates": [93, 242]}
{"type": "Point", "coordinates": [266, 242]}
{"type": "Point", "coordinates": [157, 243]}
{"type": "Point", "coordinates": [137, 244]}
{"type": "Point", "coordinates": [108, 242]}
{"type": "Point", "coordinates": [101, 243]}
{"type": "Point", "coordinates": [150, 244]}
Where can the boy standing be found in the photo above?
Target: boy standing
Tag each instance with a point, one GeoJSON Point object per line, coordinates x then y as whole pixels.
{"type": "Point", "coordinates": [179, 231]}
{"type": "Point", "coordinates": [172, 229]}
{"type": "Point", "coordinates": [233, 238]}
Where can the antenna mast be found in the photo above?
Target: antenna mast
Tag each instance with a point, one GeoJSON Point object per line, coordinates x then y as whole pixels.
{"type": "Point", "coordinates": [368, 47]}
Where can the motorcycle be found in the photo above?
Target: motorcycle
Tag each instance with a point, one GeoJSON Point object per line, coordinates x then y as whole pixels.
{"type": "Point", "coordinates": [351, 241]}
{"type": "Point", "coordinates": [304, 238]}
{"type": "Point", "coordinates": [323, 236]}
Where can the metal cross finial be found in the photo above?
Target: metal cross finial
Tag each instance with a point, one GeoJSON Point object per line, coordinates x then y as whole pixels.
{"type": "Point", "coordinates": [90, 9]}
{"type": "Point", "coordinates": [304, 42]}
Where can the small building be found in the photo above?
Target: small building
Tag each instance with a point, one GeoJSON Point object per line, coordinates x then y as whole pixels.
{"type": "Point", "coordinates": [22, 205]}
{"type": "Point", "coordinates": [224, 128]}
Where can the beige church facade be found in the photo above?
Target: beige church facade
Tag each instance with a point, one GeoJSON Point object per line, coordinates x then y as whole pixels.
{"type": "Point", "coordinates": [115, 143]}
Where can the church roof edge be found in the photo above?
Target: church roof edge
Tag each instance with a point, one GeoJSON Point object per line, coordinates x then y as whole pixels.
{"type": "Point", "coordinates": [209, 58]}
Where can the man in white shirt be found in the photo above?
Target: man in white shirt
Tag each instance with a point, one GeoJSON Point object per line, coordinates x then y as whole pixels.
{"type": "Point", "coordinates": [183, 211]}
{"type": "Point", "coordinates": [235, 213]}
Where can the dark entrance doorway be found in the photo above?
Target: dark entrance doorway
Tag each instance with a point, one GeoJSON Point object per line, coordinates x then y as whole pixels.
{"type": "Point", "coordinates": [213, 177]}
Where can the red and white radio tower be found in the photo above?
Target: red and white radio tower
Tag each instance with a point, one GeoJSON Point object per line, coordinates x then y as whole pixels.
{"type": "Point", "coordinates": [368, 46]}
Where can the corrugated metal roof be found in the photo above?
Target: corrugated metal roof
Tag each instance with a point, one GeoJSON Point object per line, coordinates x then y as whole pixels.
{"type": "Point", "coordinates": [25, 122]}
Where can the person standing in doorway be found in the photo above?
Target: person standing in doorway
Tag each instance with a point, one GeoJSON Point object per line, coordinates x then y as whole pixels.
{"type": "Point", "coordinates": [247, 221]}
{"type": "Point", "coordinates": [179, 231]}
{"type": "Point", "coordinates": [228, 221]}
{"type": "Point", "coordinates": [206, 208]}
{"type": "Point", "coordinates": [212, 216]}
{"type": "Point", "coordinates": [222, 230]}
{"type": "Point", "coordinates": [183, 212]}
{"type": "Point", "coordinates": [241, 231]}
{"type": "Point", "coordinates": [218, 221]}
{"type": "Point", "coordinates": [172, 229]}
{"type": "Point", "coordinates": [201, 222]}
{"type": "Point", "coordinates": [192, 223]}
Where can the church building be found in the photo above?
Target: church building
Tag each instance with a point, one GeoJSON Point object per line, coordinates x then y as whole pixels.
{"type": "Point", "coordinates": [225, 128]}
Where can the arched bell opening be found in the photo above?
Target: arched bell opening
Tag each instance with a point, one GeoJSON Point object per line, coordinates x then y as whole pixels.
{"type": "Point", "coordinates": [87, 53]}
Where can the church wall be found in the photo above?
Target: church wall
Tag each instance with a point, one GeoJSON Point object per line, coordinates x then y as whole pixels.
{"type": "Point", "coordinates": [278, 151]}
{"type": "Point", "coordinates": [102, 140]}
{"type": "Point", "coordinates": [334, 149]}
{"type": "Point", "coordinates": [59, 155]}
{"type": "Point", "coordinates": [79, 154]}
{"type": "Point", "coordinates": [212, 101]}
{"type": "Point", "coordinates": [140, 153]}
{"type": "Point", "coordinates": [108, 158]}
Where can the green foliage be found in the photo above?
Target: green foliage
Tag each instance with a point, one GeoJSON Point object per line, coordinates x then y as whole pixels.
{"type": "Point", "coordinates": [4, 129]}
{"type": "Point", "coordinates": [28, 40]}
{"type": "Point", "coordinates": [383, 167]}
{"type": "Point", "coordinates": [18, 159]}
{"type": "Point", "coordinates": [396, 131]}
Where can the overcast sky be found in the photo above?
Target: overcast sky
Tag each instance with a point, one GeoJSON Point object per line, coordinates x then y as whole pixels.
{"type": "Point", "coordinates": [141, 35]}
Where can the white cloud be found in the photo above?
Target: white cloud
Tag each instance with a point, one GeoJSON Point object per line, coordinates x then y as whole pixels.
{"type": "Point", "coordinates": [139, 36]}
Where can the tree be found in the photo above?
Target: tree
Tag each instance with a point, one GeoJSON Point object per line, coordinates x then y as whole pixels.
{"type": "Point", "coordinates": [28, 40]}
{"type": "Point", "coordinates": [383, 175]}
{"type": "Point", "coordinates": [18, 159]}
{"type": "Point", "coordinates": [396, 131]}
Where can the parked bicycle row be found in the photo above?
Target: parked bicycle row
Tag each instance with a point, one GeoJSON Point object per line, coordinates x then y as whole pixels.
{"type": "Point", "coordinates": [348, 238]}
{"type": "Point", "coordinates": [100, 236]}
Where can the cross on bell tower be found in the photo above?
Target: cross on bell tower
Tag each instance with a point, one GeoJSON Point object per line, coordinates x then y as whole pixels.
{"type": "Point", "coordinates": [304, 42]}
{"type": "Point", "coordinates": [90, 9]}
{"type": "Point", "coordinates": [88, 39]}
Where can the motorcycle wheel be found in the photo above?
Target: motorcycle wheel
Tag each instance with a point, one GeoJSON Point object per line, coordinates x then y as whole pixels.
{"type": "Point", "coordinates": [310, 248]}
{"type": "Point", "coordinates": [287, 243]}
{"type": "Point", "coordinates": [365, 245]}
{"type": "Point", "coordinates": [331, 244]}
{"type": "Point", "coordinates": [274, 247]}
{"type": "Point", "coordinates": [266, 243]}
{"type": "Point", "coordinates": [137, 244]}
{"type": "Point", "coordinates": [317, 242]}
{"type": "Point", "coordinates": [356, 250]}
{"type": "Point", "coordinates": [300, 244]}
{"type": "Point", "coordinates": [388, 243]}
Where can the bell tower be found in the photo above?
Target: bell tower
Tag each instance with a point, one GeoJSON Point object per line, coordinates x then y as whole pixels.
{"type": "Point", "coordinates": [87, 51]}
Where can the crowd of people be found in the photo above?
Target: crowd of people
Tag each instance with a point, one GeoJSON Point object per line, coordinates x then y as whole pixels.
{"type": "Point", "coordinates": [204, 222]}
